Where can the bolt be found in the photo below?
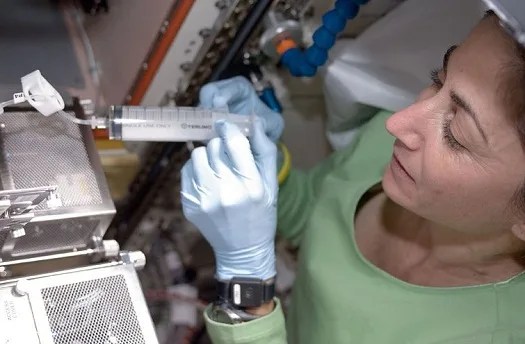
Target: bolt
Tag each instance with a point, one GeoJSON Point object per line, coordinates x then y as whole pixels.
{"type": "Point", "coordinates": [221, 4]}
{"type": "Point", "coordinates": [205, 33]}
{"type": "Point", "coordinates": [186, 66]}
{"type": "Point", "coordinates": [164, 26]}
{"type": "Point", "coordinates": [4, 272]}
{"type": "Point", "coordinates": [219, 40]}
{"type": "Point", "coordinates": [210, 55]}
{"type": "Point", "coordinates": [202, 69]}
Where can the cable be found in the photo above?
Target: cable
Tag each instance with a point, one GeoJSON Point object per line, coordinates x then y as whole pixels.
{"type": "Point", "coordinates": [305, 63]}
{"type": "Point", "coordinates": [243, 34]}
{"type": "Point", "coordinates": [286, 166]}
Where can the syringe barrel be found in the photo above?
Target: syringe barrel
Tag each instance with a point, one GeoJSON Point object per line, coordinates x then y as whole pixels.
{"type": "Point", "coordinates": [168, 124]}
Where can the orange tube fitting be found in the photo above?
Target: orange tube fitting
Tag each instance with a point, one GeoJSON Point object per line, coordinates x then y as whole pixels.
{"type": "Point", "coordinates": [285, 45]}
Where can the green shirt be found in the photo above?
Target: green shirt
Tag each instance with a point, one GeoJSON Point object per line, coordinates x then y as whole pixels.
{"type": "Point", "coordinates": [340, 297]}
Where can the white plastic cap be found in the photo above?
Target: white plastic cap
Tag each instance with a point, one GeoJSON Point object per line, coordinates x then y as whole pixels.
{"type": "Point", "coordinates": [22, 287]}
{"type": "Point", "coordinates": [111, 248]}
{"type": "Point", "coordinates": [40, 94]}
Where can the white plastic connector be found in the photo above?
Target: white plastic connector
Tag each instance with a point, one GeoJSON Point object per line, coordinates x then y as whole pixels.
{"type": "Point", "coordinates": [94, 122]}
{"type": "Point", "coordinates": [111, 248]}
{"type": "Point", "coordinates": [22, 287]}
{"type": "Point", "coordinates": [18, 232]}
{"type": "Point", "coordinates": [40, 94]}
{"type": "Point", "coordinates": [53, 201]}
{"type": "Point", "coordinates": [137, 258]}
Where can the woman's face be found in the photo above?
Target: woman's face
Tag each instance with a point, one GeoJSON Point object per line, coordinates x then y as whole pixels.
{"type": "Point", "coordinates": [457, 158]}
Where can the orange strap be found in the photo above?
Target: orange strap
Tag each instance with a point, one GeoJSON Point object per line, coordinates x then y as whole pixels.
{"type": "Point", "coordinates": [159, 51]}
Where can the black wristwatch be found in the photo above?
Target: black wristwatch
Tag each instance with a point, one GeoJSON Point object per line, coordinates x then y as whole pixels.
{"type": "Point", "coordinates": [239, 293]}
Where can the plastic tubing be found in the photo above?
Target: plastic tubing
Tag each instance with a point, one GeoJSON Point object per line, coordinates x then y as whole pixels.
{"type": "Point", "coordinates": [305, 63]}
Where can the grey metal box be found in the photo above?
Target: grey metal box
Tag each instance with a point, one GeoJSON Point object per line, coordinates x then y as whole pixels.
{"type": "Point", "coordinates": [40, 152]}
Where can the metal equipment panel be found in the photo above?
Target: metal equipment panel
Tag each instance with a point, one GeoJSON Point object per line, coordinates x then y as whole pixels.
{"type": "Point", "coordinates": [92, 305]}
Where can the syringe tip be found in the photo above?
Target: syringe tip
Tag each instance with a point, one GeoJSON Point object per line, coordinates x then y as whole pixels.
{"type": "Point", "coordinates": [98, 123]}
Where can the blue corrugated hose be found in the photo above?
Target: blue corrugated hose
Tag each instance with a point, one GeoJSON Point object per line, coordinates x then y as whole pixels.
{"type": "Point", "coordinates": [305, 63]}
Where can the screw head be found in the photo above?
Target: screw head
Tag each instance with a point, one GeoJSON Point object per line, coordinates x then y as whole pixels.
{"type": "Point", "coordinates": [4, 272]}
{"type": "Point", "coordinates": [221, 4]}
{"type": "Point", "coordinates": [205, 33]}
{"type": "Point", "coordinates": [186, 67]}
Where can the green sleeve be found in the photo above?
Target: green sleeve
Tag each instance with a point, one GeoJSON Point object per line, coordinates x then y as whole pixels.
{"type": "Point", "coordinates": [269, 329]}
{"type": "Point", "coordinates": [299, 192]}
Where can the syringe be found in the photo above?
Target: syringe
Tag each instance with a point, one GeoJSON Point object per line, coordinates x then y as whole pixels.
{"type": "Point", "coordinates": [163, 124]}
{"type": "Point", "coordinates": [131, 123]}
{"type": "Point", "coordinates": [173, 124]}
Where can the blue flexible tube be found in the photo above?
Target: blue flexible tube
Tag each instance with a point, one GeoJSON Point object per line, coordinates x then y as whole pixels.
{"type": "Point", "coordinates": [305, 63]}
{"type": "Point", "coordinates": [270, 99]}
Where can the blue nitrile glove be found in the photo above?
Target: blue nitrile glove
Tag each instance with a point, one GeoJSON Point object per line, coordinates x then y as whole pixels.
{"type": "Point", "coordinates": [239, 95]}
{"type": "Point", "coordinates": [229, 192]}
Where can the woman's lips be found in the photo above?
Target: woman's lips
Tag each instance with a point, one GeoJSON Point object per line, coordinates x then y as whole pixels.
{"type": "Point", "coordinates": [400, 166]}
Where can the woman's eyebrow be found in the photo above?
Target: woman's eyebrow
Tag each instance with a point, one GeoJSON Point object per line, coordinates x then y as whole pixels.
{"type": "Point", "coordinates": [446, 57]}
{"type": "Point", "coordinates": [460, 102]}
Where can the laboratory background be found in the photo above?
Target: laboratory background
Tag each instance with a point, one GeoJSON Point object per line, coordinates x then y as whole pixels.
{"type": "Point", "coordinates": [94, 247]}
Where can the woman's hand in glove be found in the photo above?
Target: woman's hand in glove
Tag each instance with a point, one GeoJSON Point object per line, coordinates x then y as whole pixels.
{"type": "Point", "coordinates": [229, 192]}
{"type": "Point", "coordinates": [239, 95]}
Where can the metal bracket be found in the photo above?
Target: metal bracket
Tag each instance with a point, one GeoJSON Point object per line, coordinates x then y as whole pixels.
{"type": "Point", "coordinates": [16, 207]}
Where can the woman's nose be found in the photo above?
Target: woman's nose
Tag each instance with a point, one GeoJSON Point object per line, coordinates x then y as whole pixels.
{"type": "Point", "coordinates": [407, 126]}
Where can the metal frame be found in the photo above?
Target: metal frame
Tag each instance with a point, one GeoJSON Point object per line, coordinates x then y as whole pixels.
{"type": "Point", "coordinates": [23, 296]}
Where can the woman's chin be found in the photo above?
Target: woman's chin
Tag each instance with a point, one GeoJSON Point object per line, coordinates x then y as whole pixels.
{"type": "Point", "coordinates": [394, 191]}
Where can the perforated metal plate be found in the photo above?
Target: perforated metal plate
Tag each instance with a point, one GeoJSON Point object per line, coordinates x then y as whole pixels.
{"type": "Point", "coordinates": [92, 312]}
{"type": "Point", "coordinates": [42, 151]}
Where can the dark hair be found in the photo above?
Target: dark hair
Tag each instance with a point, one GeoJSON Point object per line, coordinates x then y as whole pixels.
{"type": "Point", "coordinates": [513, 92]}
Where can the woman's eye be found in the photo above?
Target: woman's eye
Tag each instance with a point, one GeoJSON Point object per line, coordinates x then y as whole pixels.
{"type": "Point", "coordinates": [449, 138]}
{"type": "Point", "coordinates": [434, 77]}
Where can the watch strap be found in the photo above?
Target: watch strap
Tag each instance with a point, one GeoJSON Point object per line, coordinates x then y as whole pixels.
{"type": "Point", "coordinates": [246, 292]}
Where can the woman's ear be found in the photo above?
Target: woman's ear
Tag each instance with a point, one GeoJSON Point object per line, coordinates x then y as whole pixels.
{"type": "Point", "coordinates": [518, 229]}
